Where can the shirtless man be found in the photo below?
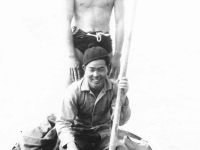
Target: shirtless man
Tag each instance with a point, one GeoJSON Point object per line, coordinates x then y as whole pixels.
{"type": "Point", "coordinates": [90, 17]}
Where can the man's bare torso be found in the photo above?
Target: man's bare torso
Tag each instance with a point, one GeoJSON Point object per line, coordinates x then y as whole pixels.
{"type": "Point", "coordinates": [93, 15]}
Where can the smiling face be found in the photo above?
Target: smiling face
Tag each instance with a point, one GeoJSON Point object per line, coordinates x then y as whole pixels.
{"type": "Point", "coordinates": [96, 73]}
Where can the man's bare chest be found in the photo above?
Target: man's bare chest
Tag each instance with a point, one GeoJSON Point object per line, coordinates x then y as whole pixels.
{"type": "Point", "coordinates": [94, 3]}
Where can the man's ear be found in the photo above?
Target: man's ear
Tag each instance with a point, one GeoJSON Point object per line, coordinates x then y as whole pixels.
{"type": "Point", "coordinates": [83, 68]}
{"type": "Point", "coordinates": [109, 68]}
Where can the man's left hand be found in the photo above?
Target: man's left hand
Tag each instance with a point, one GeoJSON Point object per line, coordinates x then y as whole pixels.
{"type": "Point", "coordinates": [123, 84]}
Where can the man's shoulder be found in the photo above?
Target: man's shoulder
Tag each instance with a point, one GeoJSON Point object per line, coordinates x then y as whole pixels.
{"type": "Point", "coordinates": [112, 83]}
{"type": "Point", "coordinates": [75, 86]}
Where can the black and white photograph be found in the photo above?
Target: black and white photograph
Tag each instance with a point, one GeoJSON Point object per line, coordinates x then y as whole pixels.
{"type": "Point", "coordinates": [100, 75]}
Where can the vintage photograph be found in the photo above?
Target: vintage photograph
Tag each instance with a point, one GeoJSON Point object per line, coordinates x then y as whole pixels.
{"type": "Point", "coordinates": [100, 75]}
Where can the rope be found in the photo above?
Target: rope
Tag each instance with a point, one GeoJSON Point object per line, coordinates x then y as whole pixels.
{"type": "Point", "coordinates": [98, 35]}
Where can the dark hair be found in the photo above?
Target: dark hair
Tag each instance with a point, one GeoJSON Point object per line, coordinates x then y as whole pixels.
{"type": "Point", "coordinates": [107, 61]}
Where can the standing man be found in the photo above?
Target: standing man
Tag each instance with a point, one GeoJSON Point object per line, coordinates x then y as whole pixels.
{"type": "Point", "coordinates": [91, 21]}
{"type": "Point", "coordinates": [86, 115]}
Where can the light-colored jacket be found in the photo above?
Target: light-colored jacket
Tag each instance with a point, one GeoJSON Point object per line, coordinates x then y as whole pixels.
{"type": "Point", "coordinates": [81, 110]}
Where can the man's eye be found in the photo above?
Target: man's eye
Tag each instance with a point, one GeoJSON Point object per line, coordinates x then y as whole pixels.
{"type": "Point", "coordinates": [101, 69]}
{"type": "Point", "coordinates": [92, 70]}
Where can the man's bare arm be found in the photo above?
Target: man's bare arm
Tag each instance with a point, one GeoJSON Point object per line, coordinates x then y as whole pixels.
{"type": "Point", "coordinates": [119, 37]}
{"type": "Point", "coordinates": [74, 63]}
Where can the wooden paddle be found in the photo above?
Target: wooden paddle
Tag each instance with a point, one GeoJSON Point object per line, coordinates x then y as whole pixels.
{"type": "Point", "coordinates": [125, 50]}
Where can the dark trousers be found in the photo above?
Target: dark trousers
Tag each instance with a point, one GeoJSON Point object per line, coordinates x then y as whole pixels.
{"type": "Point", "coordinates": [90, 140]}
{"type": "Point", "coordinates": [82, 40]}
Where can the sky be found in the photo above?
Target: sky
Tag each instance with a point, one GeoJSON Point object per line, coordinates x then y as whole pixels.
{"type": "Point", "coordinates": [162, 69]}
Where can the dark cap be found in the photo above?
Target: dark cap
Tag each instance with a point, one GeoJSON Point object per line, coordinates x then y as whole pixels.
{"type": "Point", "coordinates": [94, 53]}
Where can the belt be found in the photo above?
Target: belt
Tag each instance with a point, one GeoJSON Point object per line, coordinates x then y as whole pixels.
{"type": "Point", "coordinates": [95, 129]}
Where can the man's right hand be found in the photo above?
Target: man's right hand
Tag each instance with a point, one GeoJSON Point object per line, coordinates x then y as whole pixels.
{"type": "Point", "coordinates": [74, 65]}
{"type": "Point", "coordinates": [71, 146]}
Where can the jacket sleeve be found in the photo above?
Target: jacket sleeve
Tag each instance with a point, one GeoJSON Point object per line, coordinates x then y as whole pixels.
{"type": "Point", "coordinates": [125, 109]}
{"type": "Point", "coordinates": [125, 113]}
{"type": "Point", "coordinates": [66, 117]}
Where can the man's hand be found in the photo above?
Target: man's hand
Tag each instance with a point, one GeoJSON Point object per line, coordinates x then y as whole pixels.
{"type": "Point", "coordinates": [123, 84]}
{"type": "Point", "coordinates": [74, 65]}
{"type": "Point", "coordinates": [115, 67]}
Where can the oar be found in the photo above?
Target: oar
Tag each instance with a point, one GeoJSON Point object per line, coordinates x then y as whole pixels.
{"type": "Point", "coordinates": [125, 50]}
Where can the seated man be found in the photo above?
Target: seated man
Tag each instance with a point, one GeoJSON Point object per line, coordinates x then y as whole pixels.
{"type": "Point", "coordinates": [86, 115]}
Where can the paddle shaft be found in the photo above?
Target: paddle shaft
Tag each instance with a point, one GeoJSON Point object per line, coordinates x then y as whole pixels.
{"type": "Point", "coordinates": [120, 96]}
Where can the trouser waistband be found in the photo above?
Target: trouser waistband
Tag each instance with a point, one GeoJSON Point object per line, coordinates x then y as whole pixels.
{"type": "Point", "coordinates": [97, 34]}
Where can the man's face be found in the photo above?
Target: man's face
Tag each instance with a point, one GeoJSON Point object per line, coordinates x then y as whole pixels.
{"type": "Point", "coordinates": [96, 72]}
